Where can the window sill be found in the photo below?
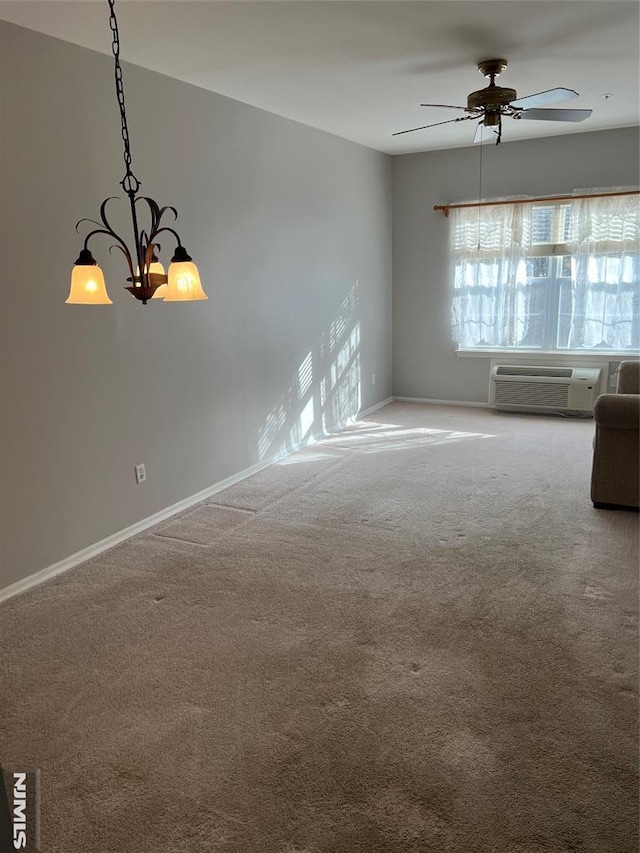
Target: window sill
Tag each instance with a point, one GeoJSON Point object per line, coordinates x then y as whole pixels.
{"type": "Point", "coordinates": [559, 356]}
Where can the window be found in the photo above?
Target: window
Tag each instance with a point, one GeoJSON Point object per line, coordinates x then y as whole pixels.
{"type": "Point", "coordinates": [548, 276]}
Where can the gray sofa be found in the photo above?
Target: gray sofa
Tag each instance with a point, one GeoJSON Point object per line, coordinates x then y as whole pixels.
{"type": "Point", "coordinates": [615, 475]}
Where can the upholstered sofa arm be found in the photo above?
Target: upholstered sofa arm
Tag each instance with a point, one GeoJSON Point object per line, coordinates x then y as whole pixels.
{"type": "Point", "coordinates": [629, 377]}
{"type": "Point", "coordinates": [617, 411]}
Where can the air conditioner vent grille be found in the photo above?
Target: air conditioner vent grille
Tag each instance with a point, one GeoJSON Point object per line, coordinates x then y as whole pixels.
{"type": "Point", "coordinates": [552, 396]}
{"type": "Point", "coordinates": [521, 370]}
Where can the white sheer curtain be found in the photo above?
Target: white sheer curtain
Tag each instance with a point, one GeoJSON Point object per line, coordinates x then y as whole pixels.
{"type": "Point", "coordinates": [488, 249]}
{"type": "Point", "coordinates": [605, 235]}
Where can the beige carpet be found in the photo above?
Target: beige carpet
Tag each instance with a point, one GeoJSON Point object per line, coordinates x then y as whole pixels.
{"type": "Point", "coordinates": [416, 636]}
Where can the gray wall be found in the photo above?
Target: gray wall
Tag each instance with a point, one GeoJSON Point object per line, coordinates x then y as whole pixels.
{"type": "Point", "coordinates": [424, 361]}
{"type": "Point", "coordinates": [291, 231]}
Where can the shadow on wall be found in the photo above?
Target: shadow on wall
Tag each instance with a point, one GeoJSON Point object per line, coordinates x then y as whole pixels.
{"type": "Point", "coordinates": [325, 390]}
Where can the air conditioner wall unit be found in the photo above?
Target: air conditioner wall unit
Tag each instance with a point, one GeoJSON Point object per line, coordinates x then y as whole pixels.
{"type": "Point", "coordinates": [550, 389]}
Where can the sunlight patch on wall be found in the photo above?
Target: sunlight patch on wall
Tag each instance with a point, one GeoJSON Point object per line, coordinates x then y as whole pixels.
{"type": "Point", "coordinates": [340, 388]}
{"type": "Point", "coordinates": [287, 424]}
{"type": "Point", "coordinates": [305, 422]}
{"type": "Point", "coordinates": [305, 376]}
{"type": "Point", "coordinates": [274, 423]}
{"type": "Point", "coordinates": [325, 390]}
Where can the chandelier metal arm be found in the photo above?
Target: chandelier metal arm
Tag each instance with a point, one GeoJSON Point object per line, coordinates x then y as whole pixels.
{"type": "Point", "coordinates": [103, 216]}
{"type": "Point", "coordinates": [109, 233]}
{"type": "Point", "coordinates": [127, 255]}
{"type": "Point", "coordinates": [105, 228]}
{"type": "Point", "coordinates": [171, 231]}
{"type": "Point", "coordinates": [121, 245]}
{"type": "Point", "coordinates": [157, 213]}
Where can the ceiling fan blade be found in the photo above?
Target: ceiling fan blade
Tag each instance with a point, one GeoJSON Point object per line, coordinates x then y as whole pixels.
{"type": "Point", "coordinates": [425, 126]}
{"type": "Point", "coordinates": [444, 106]}
{"type": "Point", "coordinates": [554, 115]}
{"type": "Point", "coordinates": [543, 99]}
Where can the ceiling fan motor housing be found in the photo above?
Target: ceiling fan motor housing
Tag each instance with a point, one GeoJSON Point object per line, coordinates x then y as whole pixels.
{"type": "Point", "coordinates": [493, 97]}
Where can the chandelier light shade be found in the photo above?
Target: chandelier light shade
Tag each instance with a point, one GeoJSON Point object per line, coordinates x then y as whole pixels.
{"type": "Point", "coordinates": [87, 282]}
{"type": "Point", "coordinates": [184, 279]}
{"type": "Point", "coordinates": [147, 279]}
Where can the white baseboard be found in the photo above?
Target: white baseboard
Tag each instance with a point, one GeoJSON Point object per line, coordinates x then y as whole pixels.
{"type": "Point", "coordinates": [441, 402]}
{"type": "Point", "coordinates": [140, 526]}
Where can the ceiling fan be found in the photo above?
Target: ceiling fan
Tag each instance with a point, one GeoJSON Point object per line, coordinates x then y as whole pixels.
{"type": "Point", "coordinates": [493, 102]}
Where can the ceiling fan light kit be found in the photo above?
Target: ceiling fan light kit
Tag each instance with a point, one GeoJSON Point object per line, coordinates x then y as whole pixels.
{"type": "Point", "coordinates": [490, 105]}
{"type": "Point", "coordinates": [146, 274]}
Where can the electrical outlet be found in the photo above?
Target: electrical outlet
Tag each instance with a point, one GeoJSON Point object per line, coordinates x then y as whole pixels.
{"type": "Point", "coordinates": [141, 474]}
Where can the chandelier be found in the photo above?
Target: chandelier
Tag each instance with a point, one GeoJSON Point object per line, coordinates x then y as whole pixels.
{"type": "Point", "coordinates": [146, 274]}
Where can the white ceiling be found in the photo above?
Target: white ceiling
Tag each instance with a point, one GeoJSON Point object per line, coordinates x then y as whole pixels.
{"type": "Point", "coordinates": [360, 69]}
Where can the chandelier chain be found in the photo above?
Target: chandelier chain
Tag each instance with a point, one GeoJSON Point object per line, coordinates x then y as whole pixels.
{"type": "Point", "coordinates": [129, 183]}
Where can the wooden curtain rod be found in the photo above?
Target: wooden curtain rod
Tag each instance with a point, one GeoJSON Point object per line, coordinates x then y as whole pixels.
{"type": "Point", "coordinates": [445, 208]}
